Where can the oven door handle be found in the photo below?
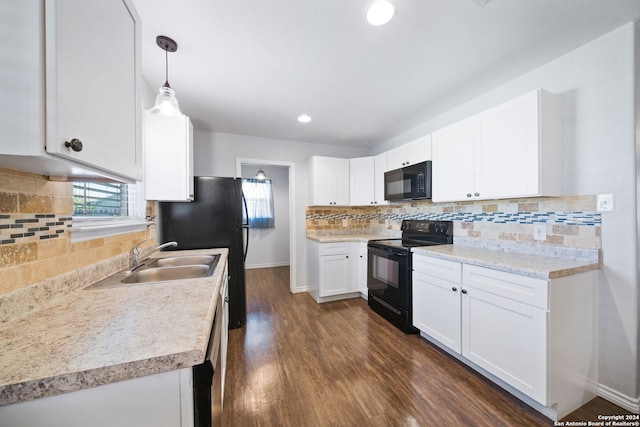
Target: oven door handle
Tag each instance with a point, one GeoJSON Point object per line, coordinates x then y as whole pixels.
{"type": "Point", "coordinates": [387, 251]}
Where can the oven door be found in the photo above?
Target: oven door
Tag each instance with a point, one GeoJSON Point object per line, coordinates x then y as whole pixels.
{"type": "Point", "coordinates": [388, 275]}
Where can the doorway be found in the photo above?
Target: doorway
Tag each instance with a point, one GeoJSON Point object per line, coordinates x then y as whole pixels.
{"type": "Point", "coordinates": [266, 246]}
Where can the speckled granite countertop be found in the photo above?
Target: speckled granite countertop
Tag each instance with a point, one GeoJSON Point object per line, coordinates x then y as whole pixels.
{"type": "Point", "coordinates": [99, 336]}
{"type": "Point", "coordinates": [539, 266]}
{"type": "Point", "coordinates": [352, 237]}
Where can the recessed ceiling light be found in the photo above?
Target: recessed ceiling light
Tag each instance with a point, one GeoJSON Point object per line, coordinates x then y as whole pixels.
{"type": "Point", "coordinates": [380, 12]}
{"type": "Point", "coordinates": [304, 118]}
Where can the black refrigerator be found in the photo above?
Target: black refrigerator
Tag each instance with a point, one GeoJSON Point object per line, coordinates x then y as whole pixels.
{"type": "Point", "coordinates": [215, 219]}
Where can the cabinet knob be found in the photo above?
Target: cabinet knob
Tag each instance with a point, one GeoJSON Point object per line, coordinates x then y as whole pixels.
{"type": "Point", "coordinates": [476, 194]}
{"type": "Point", "coordinates": [347, 256]}
{"type": "Point", "coordinates": [464, 291]}
{"type": "Point", "coordinates": [468, 194]}
{"type": "Point", "coordinates": [454, 289]}
{"type": "Point", "coordinates": [75, 144]}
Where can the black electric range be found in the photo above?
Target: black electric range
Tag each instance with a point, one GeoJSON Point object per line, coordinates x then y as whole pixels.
{"type": "Point", "coordinates": [390, 266]}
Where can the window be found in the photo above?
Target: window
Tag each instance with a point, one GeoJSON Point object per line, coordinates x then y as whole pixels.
{"type": "Point", "coordinates": [100, 199]}
{"type": "Point", "coordinates": [102, 209]}
{"type": "Point", "coordinates": [259, 196]}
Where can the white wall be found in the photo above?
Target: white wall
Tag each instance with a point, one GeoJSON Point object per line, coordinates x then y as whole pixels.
{"type": "Point", "coordinates": [215, 154]}
{"type": "Point", "coordinates": [269, 247]}
{"type": "Point", "coordinates": [596, 83]}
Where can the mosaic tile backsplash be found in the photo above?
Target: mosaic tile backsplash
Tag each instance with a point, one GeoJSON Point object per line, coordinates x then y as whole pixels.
{"type": "Point", "coordinates": [23, 228]}
{"type": "Point", "coordinates": [568, 221]}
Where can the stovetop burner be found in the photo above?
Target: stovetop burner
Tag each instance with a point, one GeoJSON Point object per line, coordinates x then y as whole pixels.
{"type": "Point", "coordinates": [419, 233]}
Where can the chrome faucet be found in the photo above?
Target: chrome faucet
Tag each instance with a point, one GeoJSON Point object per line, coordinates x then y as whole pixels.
{"type": "Point", "coordinates": [134, 254]}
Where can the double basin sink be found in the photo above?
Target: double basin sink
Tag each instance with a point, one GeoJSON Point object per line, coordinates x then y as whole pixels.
{"type": "Point", "coordinates": [161, 270]}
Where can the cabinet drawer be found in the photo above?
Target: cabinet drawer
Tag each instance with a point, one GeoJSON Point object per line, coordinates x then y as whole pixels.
{"type": "Point", "coordinates": [341, 248]}
{"type": "Point", "coordinates": [524, 289]}
{"type": "Point", "coordinates": [436, 267]}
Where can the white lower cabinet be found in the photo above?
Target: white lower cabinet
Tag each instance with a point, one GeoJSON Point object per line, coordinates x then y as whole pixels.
{"type": "Point", "coordinates": [332, 270]}
{"type": "Point", "coordinates": [514, 328]}
{"type": "Point", "coordinates": [359, 267]}
{"type": "Point", "coordinates": [161, 400]}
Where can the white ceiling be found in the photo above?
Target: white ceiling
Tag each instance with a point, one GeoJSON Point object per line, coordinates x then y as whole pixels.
{"type": "Point", "coordinates": [250, 67]}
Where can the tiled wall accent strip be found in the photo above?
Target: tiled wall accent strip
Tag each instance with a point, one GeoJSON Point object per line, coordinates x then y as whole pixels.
{"type": "Point", "coordinates": [585, 218]}
{"type": "Point", "coordinates": [25, 228]}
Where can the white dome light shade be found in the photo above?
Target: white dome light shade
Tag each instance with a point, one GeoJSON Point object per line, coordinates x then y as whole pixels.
{"type": "Point", "coordinates": [304, 118]}
{"type": "Point", "coordinates": [380, 12]}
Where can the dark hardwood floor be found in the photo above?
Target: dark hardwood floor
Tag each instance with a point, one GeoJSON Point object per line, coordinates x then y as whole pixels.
{"type": "Point", "coordinates": [299, 363]}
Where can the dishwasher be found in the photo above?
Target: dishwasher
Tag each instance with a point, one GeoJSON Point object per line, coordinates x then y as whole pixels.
{"type": "Point", "coordinates": [207, 377]}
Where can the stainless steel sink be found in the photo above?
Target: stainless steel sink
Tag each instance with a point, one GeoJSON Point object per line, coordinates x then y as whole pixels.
{"type": "Point", "coordinates": [162, 270]}
{"type": "Point", "coordinates": [162, 274]}
{"type": "Point", "coordinates": [183, 260]}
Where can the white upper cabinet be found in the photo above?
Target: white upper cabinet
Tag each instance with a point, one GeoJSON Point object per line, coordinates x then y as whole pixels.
{"type": "Point", "coordinates": [74, 75]}
{"type": "Point", "coordinates": [361, 172]}
{"type": "Point", "coordinates": [366, 181]}
{"type": "Point", "coordinates": [329, 181]}
{"type": "Point", "coordinates": [379, 168]}
{"type": "Point", "coordinates": [168, 157]}
{"type": "Point", "coordinates": [512, 150]}
{"type": "Point", "coordinates": [416, 151]}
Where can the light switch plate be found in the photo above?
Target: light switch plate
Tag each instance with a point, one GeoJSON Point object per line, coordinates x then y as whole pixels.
{"type": "Point", "coordinates": [604, 202]}
{"type": "Point", "coordinates": [540, 232]}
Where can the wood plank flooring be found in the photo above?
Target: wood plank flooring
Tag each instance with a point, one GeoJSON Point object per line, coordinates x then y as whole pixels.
{"type": "Point", "coordinates": [299, 363]}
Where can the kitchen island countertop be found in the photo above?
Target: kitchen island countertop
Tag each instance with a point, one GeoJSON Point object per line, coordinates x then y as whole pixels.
{"type": "Point", "coordinates": [100, 336]}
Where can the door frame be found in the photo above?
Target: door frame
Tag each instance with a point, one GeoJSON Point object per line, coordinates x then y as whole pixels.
{"type": "Point", "coordinates": [240, 161]}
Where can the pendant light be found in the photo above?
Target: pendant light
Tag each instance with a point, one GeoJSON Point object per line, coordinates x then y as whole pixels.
{"type": "Point", "coordinates": [260, 175]}
{"type": "Point", "coordinates": [166, 102]}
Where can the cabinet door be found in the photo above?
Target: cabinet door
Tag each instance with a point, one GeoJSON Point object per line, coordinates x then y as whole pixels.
{"type": "Point", "coordinates": [168, 157]}
{"type": "Point", "coordinates": [396, 158]}
{"type": "Point", "coordinates": [92, 85]}
{"type": "Point", "coordinates": [334, 275]}
{"type": "Point", "coordinates": [508, 160]}
{"type": "Point", "coordinates": [436, 309]}
{"type": "Point", "coordinates": [508, 339]}
{"type": "Point", "coordinates": [361, 182]}
{"type": "Point", "coordinates": [329, 181]}
{"type": "Point", "coordinates": [416, 151]}
{"type": "Point", "coordinates": [453, 161]}
{"type": "Point", "coordinates": [362, 267]}
{"type": "Point", "coordinates": [379, 168]}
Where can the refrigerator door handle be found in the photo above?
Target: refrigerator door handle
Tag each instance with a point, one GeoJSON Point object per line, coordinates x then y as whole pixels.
{"type": "Point", "coordinates": [245, 225]}
{"type": "Point", "coordinates": [246, 243]}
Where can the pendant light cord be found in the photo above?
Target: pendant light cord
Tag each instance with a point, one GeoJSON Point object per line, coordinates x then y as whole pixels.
{"type": "Point", "coordinates": [166, 68]}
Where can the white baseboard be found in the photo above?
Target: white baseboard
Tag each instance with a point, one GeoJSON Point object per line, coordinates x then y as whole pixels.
{"type": "Point", "coordinates": [629, 403]}
{"type": "Point", "coordinates": [267, 265]}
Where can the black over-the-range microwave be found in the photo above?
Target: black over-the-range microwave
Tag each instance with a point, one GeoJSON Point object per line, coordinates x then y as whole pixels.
{"type": "Point", "coordinates": [408, 183]}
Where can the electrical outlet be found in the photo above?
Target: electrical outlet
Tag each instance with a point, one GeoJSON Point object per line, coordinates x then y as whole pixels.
{"type": "Point", "coordinates": [539, 232]}
{"type": "Point", "coordinates": [345, 223]}
{"type": "Point", "coordinates": [604, 202]}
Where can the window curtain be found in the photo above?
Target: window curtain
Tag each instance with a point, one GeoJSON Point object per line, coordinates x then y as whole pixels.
{"type": "Point", "coordinates": [259, 196]}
